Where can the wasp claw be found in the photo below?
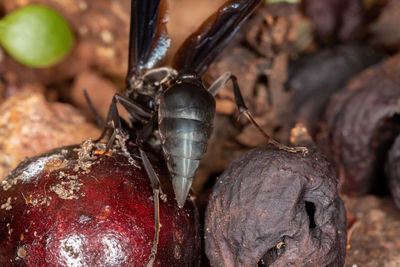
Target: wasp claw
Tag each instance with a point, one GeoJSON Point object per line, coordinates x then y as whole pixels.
{"type": "Point", "coordinates": [181, 188]}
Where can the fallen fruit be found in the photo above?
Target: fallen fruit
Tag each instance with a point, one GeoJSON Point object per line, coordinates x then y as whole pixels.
{"type": "Point", "coordinates": [36, 36]}
{"type": "Point", "coordinates": [74, 207]}
{"type": "Point", "coordinates": [315, 77]}
{"type": "Point", "coordinates": [335, 20]}
{"type": "Point", "coordinates": [392, 171]}
{"type": "Point", "coordinates": [362, 123]}
{"type": "Point", "coordinates": [275, 208]}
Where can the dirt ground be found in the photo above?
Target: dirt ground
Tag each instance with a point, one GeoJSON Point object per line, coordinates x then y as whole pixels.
{"type": "Point", "coordinates": [375, 233]}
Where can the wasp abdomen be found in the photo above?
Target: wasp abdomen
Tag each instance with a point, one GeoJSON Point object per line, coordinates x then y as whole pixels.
{"type": "Point", "coordinates": [186, 116]}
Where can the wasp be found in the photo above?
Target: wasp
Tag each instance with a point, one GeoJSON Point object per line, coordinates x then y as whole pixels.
{"type": "Point", "coordinates": [169, 108]}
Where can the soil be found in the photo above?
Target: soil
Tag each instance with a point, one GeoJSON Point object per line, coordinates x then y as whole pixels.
{"type": "Point", "coordinates": [374, 237]}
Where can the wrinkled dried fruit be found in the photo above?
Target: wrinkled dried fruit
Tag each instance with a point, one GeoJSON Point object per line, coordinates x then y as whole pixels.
{"type": "Point", "coordinates": [72, 207]}
{"type": "Point", "coordinates": [277, 28]}
{"type": "Point", "coordinates": [393, 171]}
{"type": "Point", "coordinates": [363, 121]}
{"type": "Point", "coordinates": [314, 78]}
{"type": "Point", "coordinates": [275, 208]}
{"type": "Point", "coordinates": [334, 19]}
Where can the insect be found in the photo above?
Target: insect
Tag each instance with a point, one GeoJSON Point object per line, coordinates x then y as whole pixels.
{"type": "Point", "coordinates": [169, 107]}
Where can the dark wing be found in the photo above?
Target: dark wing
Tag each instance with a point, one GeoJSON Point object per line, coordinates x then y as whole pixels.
{"type": "Point", "coordinates": [148, 37]}
{"type": "Point", "coordinates": [201, 48]}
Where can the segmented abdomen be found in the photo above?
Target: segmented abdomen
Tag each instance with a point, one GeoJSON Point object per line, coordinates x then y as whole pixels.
{"type": "Point", "coordinates": [186, 115]}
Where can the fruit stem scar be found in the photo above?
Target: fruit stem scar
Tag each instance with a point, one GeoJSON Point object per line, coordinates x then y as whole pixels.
{"type": "Point", "coordinates": [152, 256]}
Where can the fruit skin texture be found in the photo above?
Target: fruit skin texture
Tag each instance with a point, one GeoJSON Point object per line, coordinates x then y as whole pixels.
{"type": "Point", "coordinates": [36, 36]}
{"type": "Point", "coordinates": [276, 208]}
{"type": "Point", "coordinates": [72, 208]}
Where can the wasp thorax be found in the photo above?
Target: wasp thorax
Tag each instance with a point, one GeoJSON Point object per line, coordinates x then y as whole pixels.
{"type": "Point", "coordinates": [146, 90]}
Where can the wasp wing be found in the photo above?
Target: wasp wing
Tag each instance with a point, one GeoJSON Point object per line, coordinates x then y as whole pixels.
{"type": "Point", "coordinates": [202, 47]}
{"type": "Point", "coordinates": [148, 37]}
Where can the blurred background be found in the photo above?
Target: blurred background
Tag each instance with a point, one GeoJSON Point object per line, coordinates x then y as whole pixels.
{"type": "Point", "coordinates": [295, 62]}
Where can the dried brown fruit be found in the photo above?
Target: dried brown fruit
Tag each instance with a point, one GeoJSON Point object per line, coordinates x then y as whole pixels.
{"type": "Point", "coordinates": [275, 208]}
{"type": "Point", "coordinates": [334, 19]}
{"type": "Point", "coordinates": [363, 121]}
{"type": "Point", "coordinates": [276, 28]}
{"type": "Point", "coordinates": [315, 77]}
{"type": "Point", "coordinates": [258, 56]}
{"type": "Point", "coordinates": [392, 168]}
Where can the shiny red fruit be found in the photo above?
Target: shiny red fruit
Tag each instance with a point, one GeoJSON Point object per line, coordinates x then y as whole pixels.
{"type": "Point", "coordinates": [72, 207]}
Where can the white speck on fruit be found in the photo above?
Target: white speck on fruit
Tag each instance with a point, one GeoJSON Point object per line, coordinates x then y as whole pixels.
{"type": "Point", "coordinates": [34, 168]}
{"type": "Point", "coordinates": [84, 219]}
{"type": "Point", "coordinates": [163, 197]}
{"type": "Point", "coordinates": [72, 250]}
{"type": "Point", "coordinates": [67, 189]}
{"type": "Point", "coordinates": [7, 205]}
{"type": "Point", "coordinates": [177, 252]}
{"type": "Point", "coordinates": [115, 254]}
{"type": "Point", "coordinates": [9, 229]}
{"type": "Point", "coordinates": [6, 185]}
{"type": "Point", "coordinates": [85, 158]}
{"type": "Point", "coordinates": [21, 252]}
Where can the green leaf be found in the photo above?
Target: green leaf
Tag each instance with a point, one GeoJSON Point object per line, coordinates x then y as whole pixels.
{"type": "Point", "coordinates": [36, 36]}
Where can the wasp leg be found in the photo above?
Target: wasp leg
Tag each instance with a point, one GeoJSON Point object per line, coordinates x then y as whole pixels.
{"type": "Point", "coordinates": [131, 106]}
{"type": "Point", "coordinates": [113, 122]}
{"type": "Point", "coordinates": [155, 184]}
{"type": "Point", "coordinates": [219, 83]}
{"type": "Point", "coordinates": [142, 136]}
{"type": "Point", "coordinates": [147, 130]}
{"type": "Point", "coordinates": [243, 110]}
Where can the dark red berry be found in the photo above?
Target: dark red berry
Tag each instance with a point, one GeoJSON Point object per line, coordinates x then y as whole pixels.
{"type": "Point", "coordinates": [73, 207]}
